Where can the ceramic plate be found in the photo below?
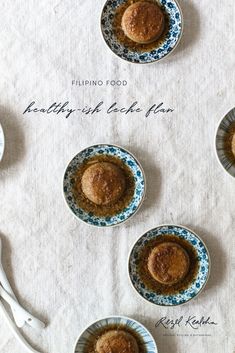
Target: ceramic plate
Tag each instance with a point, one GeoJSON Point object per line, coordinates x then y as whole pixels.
{"type": "Point", "coordinates": [129, 160]}
{"type": "Point", "coordinates": [221, 133]}
{"type": "Point", "coordinates": [172, 37]}
{"type": "Point", "coordinates": [2, 143]}
{"type": "Point", "coordinates": [185, 295]}
{"type": "Point", "coordinates": [148, 341]}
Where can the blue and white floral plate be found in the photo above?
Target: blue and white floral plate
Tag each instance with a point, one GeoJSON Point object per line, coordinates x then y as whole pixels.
{"type": "Point", "coordinates": [88, 334]}
{"type": "Point", "coordinates": [129, 160]}
{"type": "Point", "coordinates": [222, 131]}
{"type": "Point", "coordinates": [2, 143]}
{"type": "Point", "coordinates": [172, 37]}
{"type": "Point", "coordinates": [185, 295]}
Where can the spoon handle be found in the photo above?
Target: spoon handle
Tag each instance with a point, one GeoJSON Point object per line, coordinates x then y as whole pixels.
{"type": "Point", "coordinates": [29, 318]}
{"type": "Point", "coordinates": [5, 283]}
{"type": "Point", "coordinates": [15, 331]}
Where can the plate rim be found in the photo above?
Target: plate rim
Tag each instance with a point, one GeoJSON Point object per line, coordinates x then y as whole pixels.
{"type": "Point", "coordinates": [110, 317]}
{"type": "Point", "coordinates": [142, 198]}
{"type": "Point", "coordinates": [3, 142]}
{"type": "Point", "coordinates": [151, 62]}
{"type": "Point", "coordinates": [215, 142]}
{"type": "Point", "coordinates": [209, 262]}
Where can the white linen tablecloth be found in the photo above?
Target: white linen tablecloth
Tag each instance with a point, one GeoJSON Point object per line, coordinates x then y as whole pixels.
{"type": "Point", "coordinates": [66, 272]}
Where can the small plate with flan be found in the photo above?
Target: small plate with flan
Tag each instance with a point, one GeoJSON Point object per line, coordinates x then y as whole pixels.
{"type": "Point", "coordinates": [104, 185]}
{"type": "Point", "coordinates": [169, 265]}
{"type": "Point", "coordinates": [115, 334]}
{"type": "Point", "coordinates": [142, 31]}
{"type": "Point", "coordinates": [225, 142]}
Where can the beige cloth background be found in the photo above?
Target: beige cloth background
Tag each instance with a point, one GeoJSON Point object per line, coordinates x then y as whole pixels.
{"type": "Point", "coordinates": [64, 271]}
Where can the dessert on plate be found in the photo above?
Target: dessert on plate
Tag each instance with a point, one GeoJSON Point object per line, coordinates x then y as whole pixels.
{"type": "Point", "coordinates": [115, 334]}
{"type": "Point", "coordinates": [104, 185]}
{"type": "Point", "coordinates": [141, 31]}
{"type": "Point", "coordinates": [169, 265]}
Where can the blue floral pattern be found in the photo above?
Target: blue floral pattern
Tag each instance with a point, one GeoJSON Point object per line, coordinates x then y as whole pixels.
{"type": "Point", "coordinates": [2, 142]}
{"type": "Point", "coordinates": [172, 37]}
{"type": "Point", "coordinates": [129, 160]}
{"type": "Point", "coordinates": [147, 339]}
{"type": "Point", "coordinates": [184, 296]}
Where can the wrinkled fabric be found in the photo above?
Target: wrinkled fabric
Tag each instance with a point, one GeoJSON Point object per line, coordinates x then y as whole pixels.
{"type": "Point", "coordinates": [70, 274]}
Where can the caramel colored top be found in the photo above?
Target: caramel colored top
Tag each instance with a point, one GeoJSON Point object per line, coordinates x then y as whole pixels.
{"type": "Point", "coordinates": [103, 183]}
{"type": "Point", "coordinates": [143, 22]}
{"type": "Point", "coordinates": [117, 341]}
{"type": "Point", "coordinates": [168, 263]}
